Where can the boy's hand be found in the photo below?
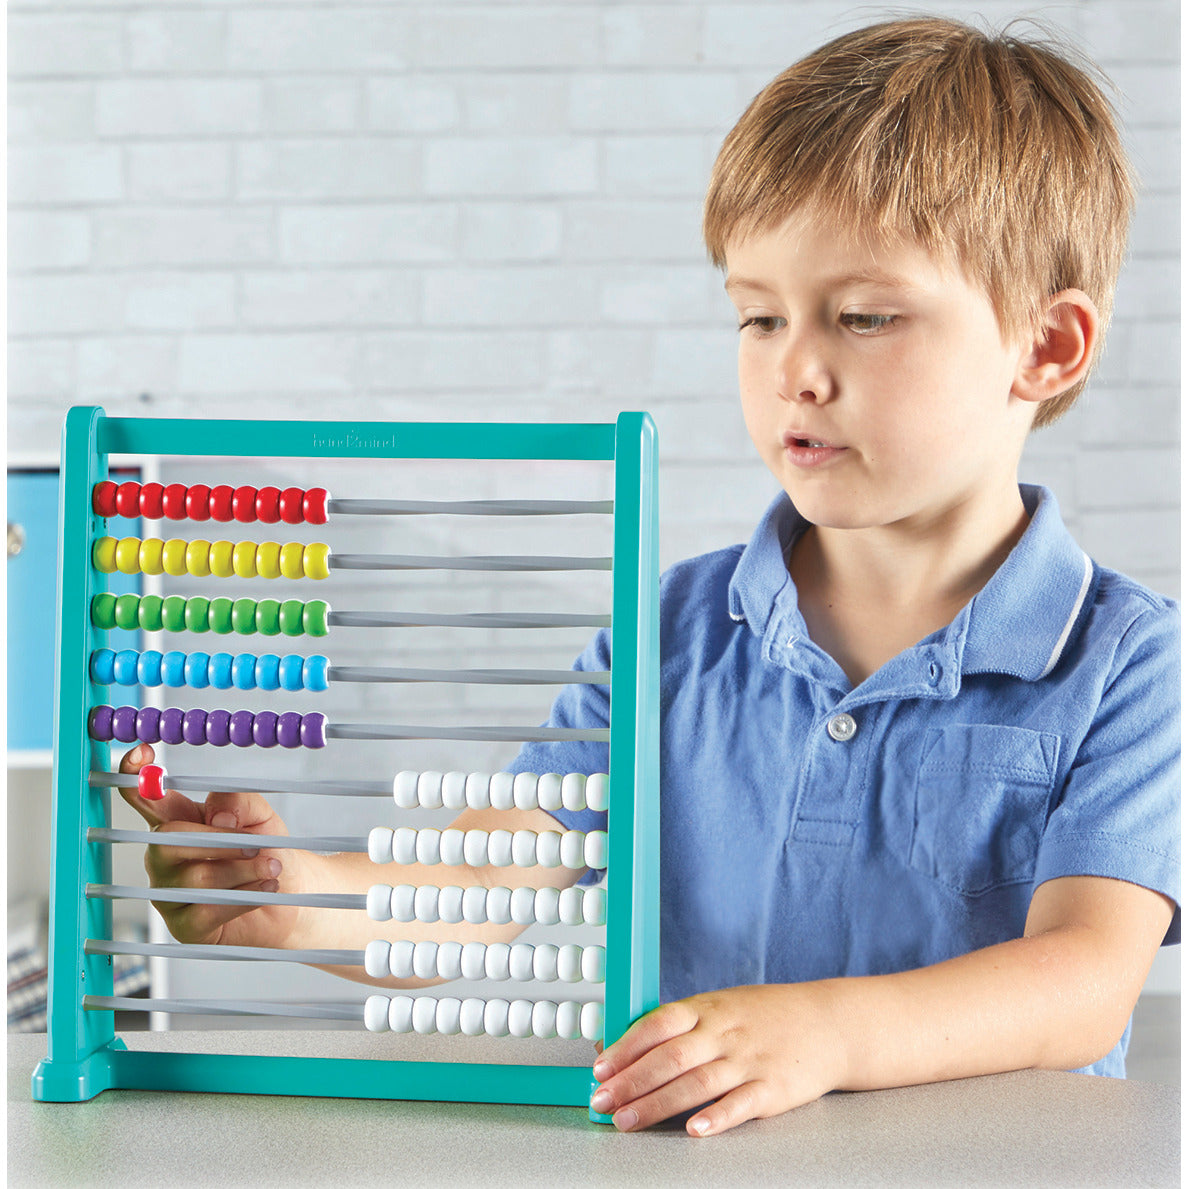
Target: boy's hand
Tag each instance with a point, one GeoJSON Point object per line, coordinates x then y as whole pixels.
{"type": "Point", "coordinates": [251, 869]}
{"type": "Point", "coordinates": [750, 1052]}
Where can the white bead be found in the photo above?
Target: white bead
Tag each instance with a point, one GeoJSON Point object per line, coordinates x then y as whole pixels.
{"type": "Point", "coordinates": [452, 847]}
{"type": "Point", "coordinates": [471, 1017]}
{"type": "Point", "coordinates": [520, 962]}
{"type": "Point", "coordinates": [520, 1018]}
{"type": "Point", "coordinates": [522, 905]}
{"type": "Point", "coordinates": [404, 845]}
{"type": "Point", "coordinates": [548, 849]}
{"type": "Point", "coordinates": [379, 844]}
{"type": "Point", "coordinates": [524, 790]}
{"type": "Point", "coordinates": [375, 1013]}
{"type": "Point", "coordinates": [425, 959]}
{"type": "Point", "coordinates": [544, 1019]}
{"type": "Point", "coordinates": [569, 906]}
{"type": "Point", "coordinates": [450, 904]}
{"type": "Point", "coordinates": [429, 846]}
{"type": "Point", "coordinates": [573, 790]}
{"type": "Point", "coordinates": [591, 1021]}
{"type": "Point", "coordinates": [477, 790]}
{"type": "Point", "coordinates": [454, 790]}
{"type": "Point", "coordinates": [569, 963]}
{"type": "Point", "coordinates": [446, 1020]}
{"type": "Point", "coordinates": [501, 790]}
{"type": "Point", "coordinates": [544, 963]}
{"type": "Point", "coordinates": [472, 960]}
{"type": "Point", "coordinates": [571, 849]}
{"type": "Point", "coordinates": [474, 848]}
{"type": "Point", "coordinates": [499, 848]}
{"type": "Point", "coordinates": [474, 905]}
{"type": "Point", "coordinates": [594, 906]}
{"type": "Point", "coordinates": [598, 789]}
{"type": "Point", "coordinates": [429, 790]}
{"type": "Point", "coordinates": [450, 959]}
{"type": "Point", "coordinates": [403, 899]}
{"type": "Point", "coordinates": [400, 960]}
{"type": "Point", "coordinates": [425, 1010]}
{"type": "Point", "coordinates": [594, 964]}
{"type": "Point", "coordinates": [379, 902]}
{"type": "Point", "coordinates": [499, 905]}
{"type": "Point", "coordinates": [425, 903]}
{"type": "Point", "coordinates": [495, 1017]}
{"type": "Point", "coordinates": [524, 848]}
{"type": "Point", "coordinates": [404, 790]}
{"type": "Point", "coordinates": [545, 904]}
{"type": "Point", "coordinates": [400, 1013]}
{"type": "Point", "coordinates": [567, 1023]}
{"type": "Point", "coordinates": [594, 850]}
{"type": "Point", "coordinates": [549, 791]}
{"type": "Point", "coordinates": [375, 958]}
{"type": "Point", "coordinates": [495, 964]}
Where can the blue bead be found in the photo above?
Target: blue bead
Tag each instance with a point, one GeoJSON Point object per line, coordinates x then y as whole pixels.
{"type": "Point", "coordinates": [291, 672]}
{"type": "Point", "coordinates": [243, 671]}
{"type": "Point", "coordinates": [198, 670]}
{"type": "Point", "coordinates": [268, 671]}
{"type": "Point", "coordinates": [314, 672]}
{"type": "Point", "coordinates": [173, 669]}
{"type": "Point", "coordinates": [220, 670]}
{"type": "Point", "coordinates": [148, 668]}
{"type": "Point", "coordinates": [124, 666]}
{"type": "Point", "coordinates": [102, 666]}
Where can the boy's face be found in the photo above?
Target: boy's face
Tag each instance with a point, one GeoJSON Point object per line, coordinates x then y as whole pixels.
{"type": "Point", "coordinates": [874, 380]}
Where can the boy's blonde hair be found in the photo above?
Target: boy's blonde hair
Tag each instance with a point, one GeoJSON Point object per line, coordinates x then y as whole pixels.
{"type": "Point", "coordinates": [997, 152]}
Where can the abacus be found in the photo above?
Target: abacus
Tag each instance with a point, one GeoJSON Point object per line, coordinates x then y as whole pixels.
{"type": "Point", "coordinates": [85, 1056]}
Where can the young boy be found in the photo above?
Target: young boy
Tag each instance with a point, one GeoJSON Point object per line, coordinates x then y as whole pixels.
{"type": "Point", "coordinates": [920, 755]}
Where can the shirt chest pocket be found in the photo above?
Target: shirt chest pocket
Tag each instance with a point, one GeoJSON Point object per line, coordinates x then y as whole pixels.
{"type": "Point", "coordinates": [982, 796]}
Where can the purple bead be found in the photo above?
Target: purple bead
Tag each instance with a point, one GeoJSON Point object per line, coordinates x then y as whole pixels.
{"type": "Point", "coordinates": [99, 724]}
{"type": "Point", "coordinates": [289, 729]}
{"type": "Point", "coordinates": [123, 724]}
{"type": "Point", "coordinates": [148, 724]}
{"type": "Point", "coordinates": [171, 724]}
{"type": "Point", "coordinates": [218, 728]}
{"type": "Point", "coordinates": [194, 727]}
{"type": "Point", "coordinates": [240, 728]}
{"type": "Point", "coordinates": [264, 729]}
{"type": "Point", "coordinates": [313, 730]}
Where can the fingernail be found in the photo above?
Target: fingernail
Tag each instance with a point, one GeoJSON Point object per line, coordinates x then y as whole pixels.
{"type": "Point", "coordinates": [602, 1070]}
{"type": "Point", "coordinates": [139, 754]}
{"type": "Point", "coordinates": [626, 1119]}
{"type": "Point", "coordinates": [223, 821]}
{"type": "Point", "coordinates": [269, 885]}
{"type": "Point", "coordinates": [249, 854]}
{"type": "Point", "coordinates": [699, 1126]}
{"type": "Point", "coordinates": [273, 866]}
{"type": "Point", "coordinates": [601, 1101]}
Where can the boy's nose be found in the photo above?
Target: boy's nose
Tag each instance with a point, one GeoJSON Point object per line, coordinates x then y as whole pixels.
{"type": "Point", "coordinates": [801, 375]}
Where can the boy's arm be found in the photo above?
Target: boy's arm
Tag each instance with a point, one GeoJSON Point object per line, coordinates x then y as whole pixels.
{"type": "Point", "coordinates": [1057, 998]}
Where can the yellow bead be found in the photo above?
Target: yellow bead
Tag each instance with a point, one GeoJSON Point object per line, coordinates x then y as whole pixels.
{"type": "Point", "coordinates": [268, 559]}
{"type": "Point", "coordinates": [316, 560]}
{"type": "Point", "coordinates": [103, 555]}
{"type": "Point", "coordinates": [152, 559]}
{"type": "Point", "coordinates": [173, 557]}
{"type": "Point", "coordinates": [243, 559]}
{"type": "Point", "coordinates": [291, 555]}
{"type": "Point", "coordinates": [198, 558]}
{"type": "Point", "coordinates": [128, 555]}
{"type": "Point", "coordinates": [221, 559]}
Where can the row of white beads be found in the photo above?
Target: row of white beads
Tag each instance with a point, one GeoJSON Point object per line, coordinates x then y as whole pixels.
{"type": "Point", "coordinates": [478, 905]}
{"type": "Point", "coordinates": [574, 849]}
{"type": "Point", "coordinates": [500, 790]}
{"type": "Point", "coordinates": [474, 960]}
{"type": "Point", "coordinates": [473, 1017]}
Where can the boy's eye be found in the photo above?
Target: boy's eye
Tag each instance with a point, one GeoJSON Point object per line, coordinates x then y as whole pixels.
{"type": "Point", "coordinates": [762, 323]}
{"type": "Point", "coordinates": [867, 323]}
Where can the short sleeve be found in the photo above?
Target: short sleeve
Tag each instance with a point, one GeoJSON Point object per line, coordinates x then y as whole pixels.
{"type": "Point", "coordinates": [1118, 815]}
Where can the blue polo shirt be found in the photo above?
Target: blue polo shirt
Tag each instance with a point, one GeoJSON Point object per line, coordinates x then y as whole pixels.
{"type": "Point", "coordinates": [814, 829]}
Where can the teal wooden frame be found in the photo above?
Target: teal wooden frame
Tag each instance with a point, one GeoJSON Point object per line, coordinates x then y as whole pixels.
{"type": "Point", "coordinates": [85, 1056]}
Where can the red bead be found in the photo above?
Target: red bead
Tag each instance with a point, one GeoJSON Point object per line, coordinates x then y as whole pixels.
{"type": "Point", "coordinates": [151, 782]}
{"type": "Point", "coordinates": [103, 498]}
{"type": "Point", "coordinates": [268, 505]}
{"type": "Point", "coordinates": [243, 504]}
{"type": "Point", "coordinates": [173, 501]}
{"type": "Point", "coordinates": [314, 505]}
{"type": "Point", "coordinates": [291, 501]}
{"type": "Point", "coordinates": [151, 495]}
{"type": "Point", "coordinates": [198, 502]}
{"type": "Point", "coordinates": [221, 502]}
{"type": "Point", "coordinates": [128, 500]}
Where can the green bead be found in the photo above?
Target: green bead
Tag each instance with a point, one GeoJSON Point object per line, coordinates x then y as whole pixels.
{"type": "Point", "coordinates": [219, 616]}
{"type": "Point", "coordinates": [150, 613]}
{"type": "Point", "coordinates": [292, 611]}
{"type": "Point", "coordinates": [103, 611]}
{"type": "Point", "coordinates": [268, 617]}
{"type": "Point", "coordinates": [314, 618]}
{"type": "Point", "coordinates": [243, 617]}
{"type": "Point", "coordinates": [126, 608]}
{"type": "Point", "coordinates": [197, 614]}
{"type": "Point", "coordinates": [173, 613]}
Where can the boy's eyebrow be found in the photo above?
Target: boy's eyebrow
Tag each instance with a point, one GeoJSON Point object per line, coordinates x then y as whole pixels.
{"type": "Point", "coordinates": [873, 275]}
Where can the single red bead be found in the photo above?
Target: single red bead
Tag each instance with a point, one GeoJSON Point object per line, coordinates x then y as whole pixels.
{"type": "Point", "coordinates": [268, 505]}
{"type": "Point", "coordinates": [173, 501]}
{"type": "Point", "coordinates": [128, 500]}
{"type": "Point", "coordinates": [198, 502]}
{"type": "Point", "coordinates": [151, 501]}
{"type": "Point", "coordinates": [103, 498]}
{"type": "Point", "coordinates": [221, 502]}
{"type": "Point", "coordinates": [314, 505]}
{"type": "Point", "coordinates": [291, 501]}
{"type": "Point", "coordinates": [243, 504]}
{"type": "Point", "coordinates": [151, 782]}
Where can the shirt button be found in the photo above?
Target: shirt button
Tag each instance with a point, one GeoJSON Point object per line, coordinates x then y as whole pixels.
{"type": "Point", "coordinates": [842, 727]}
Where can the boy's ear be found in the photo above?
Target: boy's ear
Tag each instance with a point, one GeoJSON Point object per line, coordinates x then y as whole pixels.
{"type": "Point", "coordinates": [1061, 354]}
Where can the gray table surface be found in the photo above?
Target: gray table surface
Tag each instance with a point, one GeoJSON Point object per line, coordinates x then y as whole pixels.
{"type": "Point", "coordinates": [1030, 1128]}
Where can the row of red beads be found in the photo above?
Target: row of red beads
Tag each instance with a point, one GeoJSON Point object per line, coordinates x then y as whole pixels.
{"type": "Point", "coordinates": [175, 501]}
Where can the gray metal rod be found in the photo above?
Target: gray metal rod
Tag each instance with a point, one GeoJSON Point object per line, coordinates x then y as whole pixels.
{"type": "Point", "coordinates": [363, 730]}
{"type": "Point", "coordinates": [226, 1007]}
{"type": "Point", "coordinates": [487, 619]}
{"type": "Point", "coordinates": [246, 841]}
{"type": "Point", "coordinates": [225, 953]}
{"type": "Point", "coordinates": [218, 784]}
{"type": "Point", "coordinates": [470, 676]}
{"type": "Point", "coordinates": [469, 507]}
{"type": "Point", "coordinates": [106, 891]}
{"type": "Point", "coordinates": [420, 561]}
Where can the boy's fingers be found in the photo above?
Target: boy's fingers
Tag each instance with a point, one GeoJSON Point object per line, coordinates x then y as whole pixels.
{"type": "Point", "coordinates": [664, 1024]}
{"type": "Point", "coordinates": [241, 811]}
{"type": "Point", "coordinates": [695, 1088]}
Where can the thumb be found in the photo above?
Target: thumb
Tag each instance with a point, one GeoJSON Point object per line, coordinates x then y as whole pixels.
{"type": "Point", "coordinates": [173, 807]}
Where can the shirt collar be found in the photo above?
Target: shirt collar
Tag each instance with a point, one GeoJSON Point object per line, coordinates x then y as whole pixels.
{"type": "Point", "coordinates": [1018, 624]}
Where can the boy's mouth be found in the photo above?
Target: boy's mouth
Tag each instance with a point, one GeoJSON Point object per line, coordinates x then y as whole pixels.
{"type": "Point", "coordinates": [805, 450]}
